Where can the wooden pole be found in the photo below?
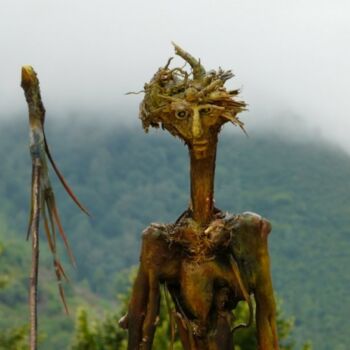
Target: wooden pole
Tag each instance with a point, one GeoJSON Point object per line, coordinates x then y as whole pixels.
{"type": "Point", "coordinates": [34, 230]}
{"type": "Point", "coordinates": [30, 85]}
{"type": "Point", "coordinates": [42, 196]}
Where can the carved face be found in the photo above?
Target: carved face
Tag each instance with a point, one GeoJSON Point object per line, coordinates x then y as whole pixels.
{"type": "Point", "coordinates": [191, 109]}
{"type": "Point", "coordinates": [196, 124]}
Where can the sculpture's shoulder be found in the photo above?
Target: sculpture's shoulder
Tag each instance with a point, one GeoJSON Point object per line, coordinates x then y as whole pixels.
{"type": "Point", "coordinates": [249, 244]}
{"type": "Point", "coordinates": [157, 232]}
{"type": "Point", "coordinates": [248, 226]}
{"type": "Point", "coordinates": [158, 252]}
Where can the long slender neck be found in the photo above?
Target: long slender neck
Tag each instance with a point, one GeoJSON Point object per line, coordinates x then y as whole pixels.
{"type": "Point", "coordinates": [202, 184]}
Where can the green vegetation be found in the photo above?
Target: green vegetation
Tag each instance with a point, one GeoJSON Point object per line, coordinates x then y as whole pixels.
{"type": "Point", "coordinates": [128, 179]}
{"type": "Point", "coordinates": [11, 338]}
{"type": "Point", "coordinates": [55, 328]}
{"type": "Point", "coordinates": [105, 334]}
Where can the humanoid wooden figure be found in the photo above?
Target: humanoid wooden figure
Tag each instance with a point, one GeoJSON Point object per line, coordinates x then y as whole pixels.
{"type": "Point", "coordinates": [208, 260]}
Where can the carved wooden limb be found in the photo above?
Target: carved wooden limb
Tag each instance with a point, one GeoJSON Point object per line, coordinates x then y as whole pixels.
{"type": "Point", "coordinates": [265, 302]}
{"type": "Point", "coordinates": [157, 262]}
{"type": "Point", "coordinates": [137, 309]}
{"type": "Point", "coordinates": [185, 337]}
{"type": "Point", "coordinates": [250, 248]}
{"type": "Point", "coordinates": [150, 322]}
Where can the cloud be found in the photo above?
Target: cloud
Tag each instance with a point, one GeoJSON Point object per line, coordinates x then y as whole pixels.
{"type": "Point", "coordinates": [287, 55]}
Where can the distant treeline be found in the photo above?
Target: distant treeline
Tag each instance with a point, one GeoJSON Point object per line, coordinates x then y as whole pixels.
{"type": "Point", "coordinates": [129, 179]}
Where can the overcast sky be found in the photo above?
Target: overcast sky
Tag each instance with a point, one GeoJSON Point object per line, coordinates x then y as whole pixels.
{"type": "Point", "coordinates": [291, 57]}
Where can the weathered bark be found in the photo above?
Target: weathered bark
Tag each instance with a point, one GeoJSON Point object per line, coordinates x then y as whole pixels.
{"type": "Point", "coordinates": [30, 84]}
{"type": "Point", "coordinates": [202, 172]}
{"type": "Point", "coordinates": [34, 230]}
{"type": "Point", "coordinates": [205, 284]}
{"type": "Point", "coordinates": [208, 260]}
{"type": "Point", "coordinates": [43, 198]}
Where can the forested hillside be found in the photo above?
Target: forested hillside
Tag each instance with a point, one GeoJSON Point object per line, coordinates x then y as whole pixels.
{"type": "Point", "coordinates": [128, 179]}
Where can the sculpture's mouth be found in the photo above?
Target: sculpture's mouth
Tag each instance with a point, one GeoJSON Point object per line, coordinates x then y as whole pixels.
{"type": "Point", "coordinates": [200, 145]}
{"type": "Point", "coordinates": [200, 148]}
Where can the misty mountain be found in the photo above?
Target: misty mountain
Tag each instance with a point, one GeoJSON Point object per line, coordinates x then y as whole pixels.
{"type": "Point", "coordinates": [129, 179]}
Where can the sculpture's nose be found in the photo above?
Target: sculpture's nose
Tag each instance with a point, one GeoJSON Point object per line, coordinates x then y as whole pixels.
{"type": "Point", "coordinates": [197, 130]}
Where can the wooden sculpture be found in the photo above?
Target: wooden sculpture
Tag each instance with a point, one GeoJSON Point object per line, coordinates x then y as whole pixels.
{"type": "Point", "coordinates": [208, 260]}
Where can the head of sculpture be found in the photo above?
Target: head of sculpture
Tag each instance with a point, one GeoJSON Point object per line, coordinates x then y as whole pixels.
{"type": "Point", "coordinates": [190, 105]}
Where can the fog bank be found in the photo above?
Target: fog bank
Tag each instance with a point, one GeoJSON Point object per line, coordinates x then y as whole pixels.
{"type": "Point", "coordinates": [288, 57]}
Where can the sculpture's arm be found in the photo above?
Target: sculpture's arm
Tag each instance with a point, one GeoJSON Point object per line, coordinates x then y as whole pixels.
{"type": "Point", "coordinates": [150, 321]}
{"type": "Point", "coordinates": [145, 298]}
{"type": "Point", "coordinates": [265, 307]}
{"type": "Point", "coordinates": [264, 295]}
{"type": "Point", "coordinates": [137, 309]}
{"type": "Point", "coordinates": [250, 247]}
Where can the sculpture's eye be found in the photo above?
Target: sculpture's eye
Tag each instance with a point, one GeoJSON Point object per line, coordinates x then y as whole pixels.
{"type": "Point", "coordinates": [181, 114]}
{"type": "Point", "coordinates": [206, 110]}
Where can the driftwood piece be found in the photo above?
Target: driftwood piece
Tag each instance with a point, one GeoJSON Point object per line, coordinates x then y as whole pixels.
{"type": "Point", "coordinates": [208, 260]}
{"type": "Point", "coordinates": [30, 85]}
{"type": "Point", "coordinates": [43, 201]}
